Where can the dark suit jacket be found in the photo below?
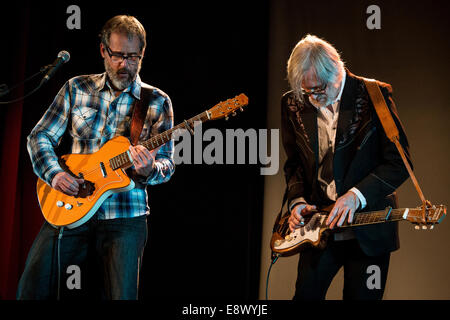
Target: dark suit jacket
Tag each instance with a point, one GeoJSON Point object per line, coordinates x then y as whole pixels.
{"type": "Point", "coordinates": [364, 157]}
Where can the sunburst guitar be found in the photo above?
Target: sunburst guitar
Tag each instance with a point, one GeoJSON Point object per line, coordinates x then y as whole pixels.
{"type": "Point", "coordinates": [104, 170]}
{"type": "Point", "coordinates": [314, 232]}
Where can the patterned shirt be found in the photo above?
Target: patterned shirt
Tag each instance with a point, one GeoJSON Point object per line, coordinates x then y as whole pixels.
{"type": "Point", "coordinates": [87, 107]}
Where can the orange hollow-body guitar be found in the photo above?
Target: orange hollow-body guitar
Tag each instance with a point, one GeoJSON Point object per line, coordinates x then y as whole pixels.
{"type": "Point", "coordinates": [60, 209]}
{"type": "Point", "coordinates": [104, 171]}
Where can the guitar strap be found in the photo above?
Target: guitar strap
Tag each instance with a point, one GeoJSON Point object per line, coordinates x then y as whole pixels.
{"type": "Point", "coordinates": [391, 131]}
{"type": "Point", "coordinates": [139, 114]}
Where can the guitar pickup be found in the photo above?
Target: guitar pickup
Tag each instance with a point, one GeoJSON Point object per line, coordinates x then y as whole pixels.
{"type": "Point", "coordinates": [129, 156]}
{"type": "Point", "coordinates": [387, 212]}
{"type": "Point", "coordinates": [103, 169]}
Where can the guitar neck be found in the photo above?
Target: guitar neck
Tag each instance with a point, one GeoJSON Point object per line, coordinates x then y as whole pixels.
{"type": "Point", "coordinates": [123, 160]}
{"type": "Point", "coordinates": [366, 218]}
{"type": "Point", "coordinates": [432, 215]}
{"type": "Point", "coordinates": [166, 136]}
{"type": "Point", "coordinates": [220, 110]}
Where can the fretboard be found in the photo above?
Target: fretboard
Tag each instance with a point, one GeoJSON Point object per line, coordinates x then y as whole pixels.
{"type": "Point", "coordinates": [166, 136]}
{"type": "Point", "coordinates": [123, 160]}
{"type": "Point", "coordinates": [365, 218]}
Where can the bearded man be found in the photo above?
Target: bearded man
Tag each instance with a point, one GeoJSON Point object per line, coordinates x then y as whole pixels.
{"type": "Point", "coordinates": [93, 109]}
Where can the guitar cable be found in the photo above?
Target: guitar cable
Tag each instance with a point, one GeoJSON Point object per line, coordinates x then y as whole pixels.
{"type": "Point", "coordinates": [274, 259]}
{"type": "Point", "coordinates": [59, 260]}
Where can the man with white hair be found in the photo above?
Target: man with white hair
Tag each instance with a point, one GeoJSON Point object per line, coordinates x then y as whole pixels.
{"type": "Point", "coordinates": [337, 152]}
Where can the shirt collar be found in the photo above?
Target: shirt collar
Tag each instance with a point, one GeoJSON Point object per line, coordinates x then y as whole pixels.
{"type": "Point", "coordinates": [342, 86]}
{"type": "Point", "coordinates": [335, 103]}
{"type": "Point", "coordinates": [135, 88]}
{"type": "Point", "coordinates": [97, 82]}
{"type": "Point", "coordinates": [338, 98]}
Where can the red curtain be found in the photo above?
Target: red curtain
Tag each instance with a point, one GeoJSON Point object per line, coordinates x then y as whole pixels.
{"type": "Point", "coordinates": [20, 218]}
{"type": "Point", "coordinates": [10, 198]}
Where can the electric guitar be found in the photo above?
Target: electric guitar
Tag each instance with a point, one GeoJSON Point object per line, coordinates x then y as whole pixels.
{"type": "Point", "coordinates": [104, 170]}
{"type": "Point", "coordinates": [315, 231]}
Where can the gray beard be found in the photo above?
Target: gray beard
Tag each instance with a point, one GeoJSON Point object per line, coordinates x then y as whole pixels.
{"type": "Point", "coordinates": [118, 83]}
{"type": "Point", "coordinates": [318, 104]}
{"type": "Point", "coordinates": [327, 102]}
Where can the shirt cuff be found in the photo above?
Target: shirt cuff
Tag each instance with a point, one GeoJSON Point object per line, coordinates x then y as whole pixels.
{"type": "Point", "coordinates": [156, 172]}
{"type": "Point", "coordinates": [51, 173]}
{"type": "Point", "coordinates": [360, 196]}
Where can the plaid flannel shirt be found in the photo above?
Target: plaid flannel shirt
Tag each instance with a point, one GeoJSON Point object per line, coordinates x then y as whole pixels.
{"type": "Point", "coordinates": [96, 116]}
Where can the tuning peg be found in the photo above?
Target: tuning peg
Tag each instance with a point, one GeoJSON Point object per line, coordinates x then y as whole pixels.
{"type": "Point", "coordinates": [226, 118]}
{"type": "Point", "coordinates": [241, 109]}
{"type": "Point", "coordinates": [432, 227]}
{"type": "Point", "coordinates": [417, 227]}
{"type": "Point", "coordinates": [424, 227]}
{"type": "Point", "coordinates": [233, 114]}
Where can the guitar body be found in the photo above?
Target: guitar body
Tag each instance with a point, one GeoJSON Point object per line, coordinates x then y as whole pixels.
{"type": "Point", "coordinates": [101, 179]}
{"type": "Point", "coordinates": [288, 243]}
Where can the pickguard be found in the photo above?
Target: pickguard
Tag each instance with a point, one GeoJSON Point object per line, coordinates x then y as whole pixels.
{"type": "Point", "coordinates": [309, 232]}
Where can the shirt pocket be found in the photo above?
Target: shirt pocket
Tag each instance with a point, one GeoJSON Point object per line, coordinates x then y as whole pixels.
{"type": "Point", "coordinates": [84, 122]}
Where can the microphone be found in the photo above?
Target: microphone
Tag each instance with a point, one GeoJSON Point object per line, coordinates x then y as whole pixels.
{"type": "Point", "coordinates": [63, 57]}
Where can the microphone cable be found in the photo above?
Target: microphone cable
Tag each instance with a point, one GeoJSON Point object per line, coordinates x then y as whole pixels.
{"type": "Point", "coordinates": [63, 57]}
{"type": "Point", "coordinates": [5, 90]}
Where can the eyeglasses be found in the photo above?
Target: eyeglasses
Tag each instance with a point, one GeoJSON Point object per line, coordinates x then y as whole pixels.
{"type": "Point", "coordinates": [118, 57]}
{"type": "Point", "coordinates": [316, 92]}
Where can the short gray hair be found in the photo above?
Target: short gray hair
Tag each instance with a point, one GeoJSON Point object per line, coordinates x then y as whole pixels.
{"type": "Point", "coordinates": [127, 25]}
{"type": "Point", "coordinates": [317, 55]}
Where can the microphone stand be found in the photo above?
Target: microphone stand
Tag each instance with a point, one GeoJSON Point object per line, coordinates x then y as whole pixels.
{"type": "Point", "coordinates": [4, 90]}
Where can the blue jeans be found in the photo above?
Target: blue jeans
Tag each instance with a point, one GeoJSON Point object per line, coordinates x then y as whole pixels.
{"type": "Point", "coordinates": [100, 259]}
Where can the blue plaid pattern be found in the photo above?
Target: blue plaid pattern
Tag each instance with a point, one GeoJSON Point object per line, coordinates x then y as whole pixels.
{"type": "Point", "coordinates": [96, 116]}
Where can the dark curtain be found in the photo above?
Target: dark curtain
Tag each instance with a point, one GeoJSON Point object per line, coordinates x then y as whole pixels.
{"type": "Point", "coordinates": [205, 224]}
{"type": "Point", "coordinates": [19, 221]}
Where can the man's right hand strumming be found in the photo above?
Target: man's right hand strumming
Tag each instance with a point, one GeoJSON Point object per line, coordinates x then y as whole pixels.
{"type": "Point", "coordinates": [66, 183]}
{"type": "Point", "coordinates": [300, 210]}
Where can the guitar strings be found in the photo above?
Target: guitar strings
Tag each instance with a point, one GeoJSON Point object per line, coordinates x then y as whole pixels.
{"type": "Point", "coordinates": [360, 218]}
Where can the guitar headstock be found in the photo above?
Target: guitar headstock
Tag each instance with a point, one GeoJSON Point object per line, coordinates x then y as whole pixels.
{"type": "Point", "coordinates": [225, 108]}
{"type": "Point", "coordinates": [433, 215]}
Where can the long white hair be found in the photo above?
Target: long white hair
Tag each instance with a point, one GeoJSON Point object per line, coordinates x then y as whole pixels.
{"type": "Point", "coordinates": [317, 55]}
